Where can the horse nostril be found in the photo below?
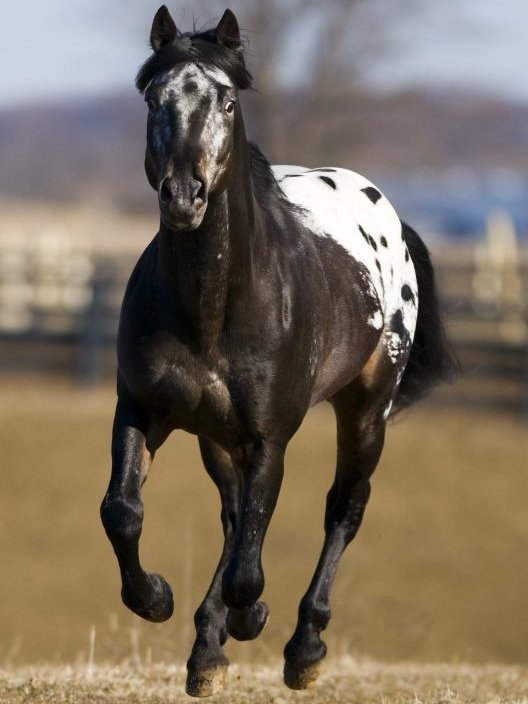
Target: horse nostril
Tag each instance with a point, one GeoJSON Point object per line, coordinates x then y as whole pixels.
{"type": "Point", "coordinates": [166, 191]}
{"type": "Point", "coordinates": [197, 189]}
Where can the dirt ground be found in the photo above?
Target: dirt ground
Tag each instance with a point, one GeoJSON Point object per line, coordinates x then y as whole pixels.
{"type": "Point", "coordinates": [344, 681]}
{"type": "Point", "coordinates": [438, 571]}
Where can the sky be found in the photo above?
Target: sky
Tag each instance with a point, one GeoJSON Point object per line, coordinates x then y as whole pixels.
{"type": "Point", "coordinates": [54, 49]}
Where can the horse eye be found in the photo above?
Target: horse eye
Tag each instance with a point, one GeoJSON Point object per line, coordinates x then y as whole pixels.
{"type": "Point", "coordinates": [229, 106]}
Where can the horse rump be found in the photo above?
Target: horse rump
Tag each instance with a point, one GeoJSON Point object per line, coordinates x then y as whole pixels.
{"type": "Point", "coordinates": [432, 360]}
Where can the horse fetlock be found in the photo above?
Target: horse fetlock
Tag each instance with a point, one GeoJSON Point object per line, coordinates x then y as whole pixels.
{"type": "Point", "coordinates": [122, 519]}
{"type": "Point", "coordinates": [242, 584]}
{"type": "Point", "coordinates": [210, 627]}
{"type": "Point", "coordinates": [305, 646]}
{"type": "Point", "coordinates": [314, 615]}
{"type": "Point", "coordinates": [152, 601]}
{"type": "Point", "coordinates": [247, 624]}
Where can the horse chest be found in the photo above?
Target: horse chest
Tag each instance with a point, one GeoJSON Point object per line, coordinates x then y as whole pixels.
{"type": "Point", "coordinates": [182, 391]}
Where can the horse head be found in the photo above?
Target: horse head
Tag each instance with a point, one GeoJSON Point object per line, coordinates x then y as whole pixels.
{"type": "Point", "coordinates": [191, 85]}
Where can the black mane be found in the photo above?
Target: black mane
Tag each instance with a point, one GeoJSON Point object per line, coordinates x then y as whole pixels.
{"type": "Point", "coordinates": [199, 47]}
{"type": "Point", "coordinates": [261, 170]}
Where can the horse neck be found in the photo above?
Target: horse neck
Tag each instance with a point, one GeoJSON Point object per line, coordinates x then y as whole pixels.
{"type": "Point", "coordinates": [211, 269]}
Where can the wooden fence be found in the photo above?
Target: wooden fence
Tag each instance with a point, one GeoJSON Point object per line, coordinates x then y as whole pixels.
{"type": "Point", "coordinates": [59, 310]}
{"type": "Point", "coordinates": [484, 290]}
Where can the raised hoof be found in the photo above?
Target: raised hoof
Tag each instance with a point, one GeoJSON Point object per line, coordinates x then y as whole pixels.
{"type": "Point", "coordinates": [247, 624]}
{"type": "Point", "coordinates": [301, 677]}
{"type": "Point", "coordinates": [155, 603]}
{"type": "Point", "coordinates": [206, 682]}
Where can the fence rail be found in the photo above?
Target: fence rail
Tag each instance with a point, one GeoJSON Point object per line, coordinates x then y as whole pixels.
{"type": "Point", "coordinates": [59, 311]}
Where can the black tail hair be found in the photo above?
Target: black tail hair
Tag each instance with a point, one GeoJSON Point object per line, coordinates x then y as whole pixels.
{"type": "Point", "coordinates": [432, 361]}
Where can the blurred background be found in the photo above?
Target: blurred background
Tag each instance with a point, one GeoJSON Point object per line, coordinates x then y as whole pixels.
{"type": "Point", "coordinates": [427, 99]}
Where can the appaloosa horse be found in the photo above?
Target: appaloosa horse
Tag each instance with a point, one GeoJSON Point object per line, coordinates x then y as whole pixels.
{"type": "Point", "coordinates": [265, 291]}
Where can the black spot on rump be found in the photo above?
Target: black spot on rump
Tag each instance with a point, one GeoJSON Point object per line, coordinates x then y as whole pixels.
{"type": "Point", "coordinates": [397, 325]}
{"type": "Point", "coordinates": [406, 254]}
{"type": "Point", "coordinates": [406, 293]}
{"type": "Point", "coordinates": [372, 193]}
{"type": "Point", "coordinates": [365, 236]}
{"type": "Point", "coordinates": [372, 243]}
{"type": "Point", "coordinates": [329, 181]}
{"type": "Point", "coordinates": [383, 241]}
{"type": "Point", "coordinates": [378, 265]}
{"type": "Point", "coordinates": [331, 171]}
{"type": "Point", "coordinates": [292, 175]}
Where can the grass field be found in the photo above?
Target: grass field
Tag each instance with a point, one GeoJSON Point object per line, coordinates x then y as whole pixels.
{"type": "Point", "coordinates": [345, 681]}
{"type": "Point", "coordinates": [438, 572]}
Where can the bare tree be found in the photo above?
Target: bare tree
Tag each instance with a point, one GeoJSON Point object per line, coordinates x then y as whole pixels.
{"type": "Point", "coordinates": [313, 36]}
{"type": "Point", "coordinates": [307, 57]}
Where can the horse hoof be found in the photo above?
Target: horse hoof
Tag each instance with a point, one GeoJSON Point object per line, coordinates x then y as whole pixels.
{"type": "Point", "coordinates": [205, 683]}
{"type": "Point", "coordinates": [301, 677]}
{"type": "Point", "coordinates": [155, 603]}
{"type": "Point", "coordinates": [247, 624]}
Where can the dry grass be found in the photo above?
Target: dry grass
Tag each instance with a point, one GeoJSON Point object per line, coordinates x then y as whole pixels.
{"type": "Point", "coordinates": [345, 682]}
{"type": "Point", "coordinates": [437, 572]}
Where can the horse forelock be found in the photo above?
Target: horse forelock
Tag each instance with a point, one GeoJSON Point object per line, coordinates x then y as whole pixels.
{"type": "Point", "coordinates": [198, 49]}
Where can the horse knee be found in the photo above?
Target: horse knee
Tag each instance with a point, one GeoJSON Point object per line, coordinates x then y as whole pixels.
{"type": "Point", "coordinates": [242, 584]}
{"type": "Point", "coordinates": [122, 519]}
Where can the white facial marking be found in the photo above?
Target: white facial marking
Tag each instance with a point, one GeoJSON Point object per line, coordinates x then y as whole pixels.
{"type": "Point", "coordinates": [369, 231]}
{"type": "Point", "coordinates": [188, 87]}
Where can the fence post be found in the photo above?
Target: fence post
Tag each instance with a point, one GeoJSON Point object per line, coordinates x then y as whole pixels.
{"type": "Point", "coordinates": [92, 333]}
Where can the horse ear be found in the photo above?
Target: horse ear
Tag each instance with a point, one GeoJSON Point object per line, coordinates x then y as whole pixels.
{"type": "Point", "coordinates": [163, 31]}
{"type": "Point", "coordinates": [227, 31]}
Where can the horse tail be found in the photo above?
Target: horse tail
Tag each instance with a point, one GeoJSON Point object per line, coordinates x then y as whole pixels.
{"type": "Point", "coordinates": [432, 360]}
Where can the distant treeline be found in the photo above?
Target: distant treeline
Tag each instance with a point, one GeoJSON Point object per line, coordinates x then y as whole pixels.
{"type": "Point", "coordinates": [92, 150]}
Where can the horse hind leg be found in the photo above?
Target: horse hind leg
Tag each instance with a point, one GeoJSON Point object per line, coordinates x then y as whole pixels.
{"type": "Point", "coordinates": [133, 445]}
{"type": "Point", "coordinates": [361, 415]}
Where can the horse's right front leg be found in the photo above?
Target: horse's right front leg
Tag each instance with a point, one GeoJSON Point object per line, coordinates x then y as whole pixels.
{"type": "Point", "coordinates": [207, 665]}
{"type": "Point", "coordinates": [148, 595]}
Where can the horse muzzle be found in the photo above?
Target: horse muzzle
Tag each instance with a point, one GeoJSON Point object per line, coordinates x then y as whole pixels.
{"type": "Point", "coordinates": [182, 202]}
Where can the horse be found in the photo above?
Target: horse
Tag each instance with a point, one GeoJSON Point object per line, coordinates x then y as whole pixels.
{"type": "Point", "coordinates": [265, 291]}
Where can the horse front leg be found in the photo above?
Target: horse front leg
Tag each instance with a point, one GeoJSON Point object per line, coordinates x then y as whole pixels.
{"type": "Point", "coordinates": [243, 578]}
{"type": "Point", "coordinates": [133, 446]}
{"type": "Point", "coordinates": [361, 431]}
{"type": "Point", "coordinates": [207, 666]}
